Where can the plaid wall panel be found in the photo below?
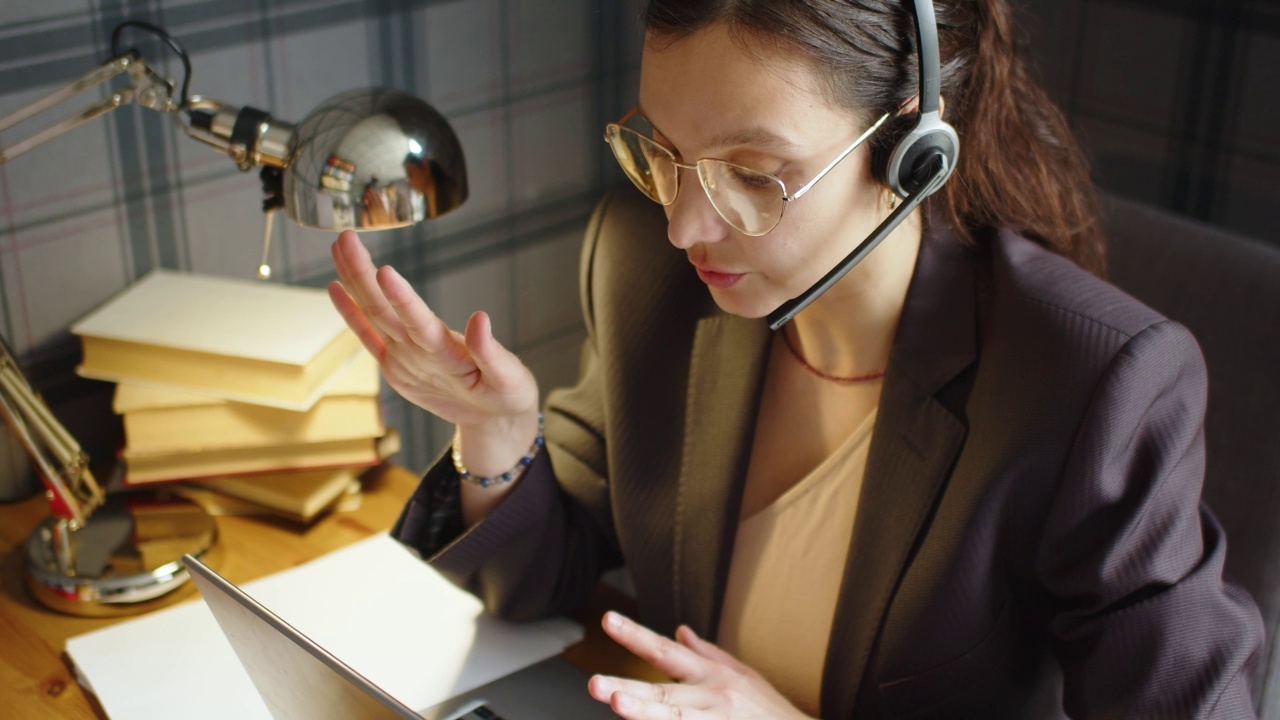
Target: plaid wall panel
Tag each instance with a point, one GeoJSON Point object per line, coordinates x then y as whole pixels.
{"type": "Point", "coordinates": [1174, 99]}
{"type": "Point", "coordinates": [527, 84]}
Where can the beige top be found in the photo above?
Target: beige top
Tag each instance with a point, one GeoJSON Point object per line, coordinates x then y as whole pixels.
{"type": "Point", "coordinates": [784, 578]}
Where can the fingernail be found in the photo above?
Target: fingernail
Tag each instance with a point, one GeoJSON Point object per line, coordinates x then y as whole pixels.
{"type": "Point", "coordinates": [613, 618]}
{"type": "Point", "coordinates": [625, 702]}
{"type": "Point", "coordinates": [603, 685]}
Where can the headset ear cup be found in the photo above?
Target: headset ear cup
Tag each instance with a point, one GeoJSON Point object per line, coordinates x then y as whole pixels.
{"type": "Point", "coordinates": [909, 163]}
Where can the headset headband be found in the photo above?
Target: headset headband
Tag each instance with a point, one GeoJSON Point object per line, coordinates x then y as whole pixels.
{"type": "Point", "coordinates": [927, 46]}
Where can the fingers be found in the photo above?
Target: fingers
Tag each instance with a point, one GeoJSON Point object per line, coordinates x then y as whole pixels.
{"type": "Point", "coordinates": [603, 688]}
{"type": "Point", "coordinates": [388, 303]}
{"type": "Point", "coordinates": [350, 312]}
{"type": "Point", "coordinates": [668, 656]}
{"type": "Point", "coordinates": [633, 708]}
{"type": "Point", "coordinates": [359, 277]}
{"type": "Point", "coordinates": [421, 326]}
{"type": "Point", "coordinates": [501, 368]}
{"type": "Point", "coordinates": [687, 637]}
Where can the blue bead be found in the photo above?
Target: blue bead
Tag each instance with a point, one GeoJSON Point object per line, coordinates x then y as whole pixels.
{"type": "Point", "coordinates": [506, 477]}
{"type": "Point", "coordinates": [484, 482]}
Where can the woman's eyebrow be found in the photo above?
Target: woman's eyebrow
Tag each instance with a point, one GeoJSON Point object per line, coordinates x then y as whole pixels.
{"type": "Point", "coordinates": [756, 136]}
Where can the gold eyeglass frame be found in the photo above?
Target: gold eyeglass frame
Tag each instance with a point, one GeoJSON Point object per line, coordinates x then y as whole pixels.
{"type": "Point", "coordinates": [614, 128]}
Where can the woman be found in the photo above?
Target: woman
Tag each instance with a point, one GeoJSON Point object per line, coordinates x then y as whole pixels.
{"type": "Point", "coordinates": [963, 482]}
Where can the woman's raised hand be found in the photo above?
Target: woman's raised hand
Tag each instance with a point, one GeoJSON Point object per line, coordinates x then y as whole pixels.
{"type": "Point", "coordinates": [468, 378]}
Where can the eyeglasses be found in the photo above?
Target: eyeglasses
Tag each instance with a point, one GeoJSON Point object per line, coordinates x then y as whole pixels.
{"type": "Point", "coordinates": [749, 200]}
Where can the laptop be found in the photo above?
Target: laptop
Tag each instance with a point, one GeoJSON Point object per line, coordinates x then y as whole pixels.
{"type": "Point", "coordinates": [299, 679]}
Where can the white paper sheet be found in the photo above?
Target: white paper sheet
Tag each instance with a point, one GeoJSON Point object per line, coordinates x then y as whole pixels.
{"type": "Point", "coordinates": [371, 604]}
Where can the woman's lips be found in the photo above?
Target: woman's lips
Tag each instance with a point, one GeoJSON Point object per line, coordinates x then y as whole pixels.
{"type": "Point", "coordinates": [719, 279]}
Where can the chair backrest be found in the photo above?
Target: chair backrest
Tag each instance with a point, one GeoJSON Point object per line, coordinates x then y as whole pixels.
{"type": "Point", "coordinates": [1226, 290]}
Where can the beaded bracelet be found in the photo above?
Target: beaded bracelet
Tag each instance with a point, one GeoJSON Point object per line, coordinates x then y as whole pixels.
{"type": "Point", "coordinates": [514, 473]}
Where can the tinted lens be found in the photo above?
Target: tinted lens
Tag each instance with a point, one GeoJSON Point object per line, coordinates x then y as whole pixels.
{"type": "Point", "coordinates": [647, 163]}
{"type": "Point", "coordinates": [749, 200]}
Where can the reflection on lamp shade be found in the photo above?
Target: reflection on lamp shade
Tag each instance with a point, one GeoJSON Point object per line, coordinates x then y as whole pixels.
{"type": "Point", "coordinates": [373, 159]}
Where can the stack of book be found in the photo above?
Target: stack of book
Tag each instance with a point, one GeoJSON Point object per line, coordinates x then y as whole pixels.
{"type": "Point", "coordinates": [254, 396]}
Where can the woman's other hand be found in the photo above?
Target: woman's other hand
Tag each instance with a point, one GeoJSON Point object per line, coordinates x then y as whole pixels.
{"type": "Point", "coordinates": [712, 683]}
{"type": "Point", "coordinates": [468, 378]}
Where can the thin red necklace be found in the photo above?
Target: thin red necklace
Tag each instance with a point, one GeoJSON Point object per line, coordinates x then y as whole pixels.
{"type": "Point", "coordinates": [833, 378]}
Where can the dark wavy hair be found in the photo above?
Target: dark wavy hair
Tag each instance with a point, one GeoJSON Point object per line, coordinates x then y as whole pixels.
{"type": "Point", "coordinates": [1020, 167]}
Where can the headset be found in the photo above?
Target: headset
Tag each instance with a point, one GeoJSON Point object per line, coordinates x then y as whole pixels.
{"type": "Point", "coordinates": [918, 167]}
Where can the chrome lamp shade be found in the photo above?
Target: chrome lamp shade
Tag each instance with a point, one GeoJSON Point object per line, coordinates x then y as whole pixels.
{"type": "Point", "coordinates": [373, 159]}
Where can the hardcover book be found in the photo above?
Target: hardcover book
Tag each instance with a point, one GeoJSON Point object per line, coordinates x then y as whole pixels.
{"type": "Point", "coordinates": [164, 421]}
{"type": "Point", "coordinates": [143, 469]}
{"type": "Point", "coordinates": [242, 340]}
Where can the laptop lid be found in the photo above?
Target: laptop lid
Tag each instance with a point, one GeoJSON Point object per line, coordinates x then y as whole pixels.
{"type": "Point", "coordinates": [295, 677]}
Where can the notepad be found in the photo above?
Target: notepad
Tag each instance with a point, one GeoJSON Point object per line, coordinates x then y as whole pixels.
{"type": "Point", "coordinates": [388, 615]}
{"type": "Point", "coordinates": [242, 340]}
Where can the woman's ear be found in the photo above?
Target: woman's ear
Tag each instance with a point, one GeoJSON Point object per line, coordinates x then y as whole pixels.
{"type": "Point", "coordinates": [910, 106]}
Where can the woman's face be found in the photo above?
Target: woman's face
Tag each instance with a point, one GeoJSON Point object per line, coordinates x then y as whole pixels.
{"type": "Point", "coordinates": [706, 96]}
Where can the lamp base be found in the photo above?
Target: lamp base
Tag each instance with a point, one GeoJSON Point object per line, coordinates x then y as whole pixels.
{"type": "Point", "coordinates": [126, 559]}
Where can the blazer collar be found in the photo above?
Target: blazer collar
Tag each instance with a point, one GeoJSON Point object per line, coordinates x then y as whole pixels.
{"type": "Point", "coordinates": [914, 444]}
{"type": "Point", "coordinates": [913, 448]}
{"type": "Point", "coordinates": [726, 375]}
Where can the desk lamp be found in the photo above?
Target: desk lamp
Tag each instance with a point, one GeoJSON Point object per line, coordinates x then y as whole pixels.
{"type": "Point", "coordinates": [369, 159]}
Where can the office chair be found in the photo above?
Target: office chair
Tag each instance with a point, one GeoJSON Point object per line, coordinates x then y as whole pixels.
{"type": "Point", "coordinates": [1226, 290]}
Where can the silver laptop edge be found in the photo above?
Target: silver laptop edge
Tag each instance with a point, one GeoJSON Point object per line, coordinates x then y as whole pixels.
{"type": "Point", "coordinates": [207, 580]}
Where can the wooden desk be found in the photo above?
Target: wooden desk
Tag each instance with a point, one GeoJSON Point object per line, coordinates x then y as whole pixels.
{"type": "Point", "coordinates": [35, 682]}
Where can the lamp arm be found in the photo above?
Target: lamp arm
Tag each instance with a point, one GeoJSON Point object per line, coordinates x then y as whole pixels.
{"type": "Point", "coordinates": [149, 90]}
{"type": "Point", "coordinates": [61, 464]}
{"type": "Point", "coordinates": [249, 136]}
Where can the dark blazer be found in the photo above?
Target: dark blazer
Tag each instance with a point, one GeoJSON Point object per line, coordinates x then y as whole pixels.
{"type": "Point", "coordinates": [1029, 540]}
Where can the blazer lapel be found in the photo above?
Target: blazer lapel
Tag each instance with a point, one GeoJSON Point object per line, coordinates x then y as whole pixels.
{"type": "Point", "coordinates": [726, 373]}
{"type": "Point", "coordinates": [914, 445]}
